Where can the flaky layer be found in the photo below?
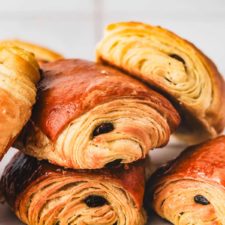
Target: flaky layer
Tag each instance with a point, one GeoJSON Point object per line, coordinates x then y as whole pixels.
{"type": "Point", "coordinates": [138, 127]}
{"type": "Point", "coordinates": [18, 77]}
{"type": "Point", "coordinates": [42, 54]}
{"type": "Point", "coordinates": [50, 195]}
{"type": "Point", "coordinates": [173, 66]}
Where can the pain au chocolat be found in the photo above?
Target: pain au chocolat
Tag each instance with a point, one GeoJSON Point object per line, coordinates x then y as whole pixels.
{"type": "Point", "coordinates": [40, 193]}
{"type": "Point", "coordinates": [42, 54]}
{"type": "Point", "coordinates": [89, 116]}
{"type": "Point", "coordinates": [174, 67]}
{"type": "Point", "coordinates": [191, 189]}
{"type": "Point", "coordinates": [19, 74]}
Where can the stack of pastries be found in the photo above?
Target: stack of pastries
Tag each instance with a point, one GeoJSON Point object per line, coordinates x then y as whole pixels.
{"type": "Point", "coordinates": [84, 130]}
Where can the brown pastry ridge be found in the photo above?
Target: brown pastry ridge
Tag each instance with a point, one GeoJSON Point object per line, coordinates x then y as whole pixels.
{"type": "Point", "coordinates": [191, 189]}
{"type": "Point", "coordinates": [174, 67]}
{"type": "Point", "coordinates": [88, 115]}
{"type": "Point", "coordinates": [19, 74]}
{"type": "Point", "coordinates": [41, 193]}
{"type": "Point", "coordinates": [41, 53]}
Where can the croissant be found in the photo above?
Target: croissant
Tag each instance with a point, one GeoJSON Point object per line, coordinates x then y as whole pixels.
{"type": "Point", "coordinates": [40, 193]}
{"type": "Point", "coordinates": [89, 116]}
{"type": "Point", "coordinates": [42, 54]}
{"type": "Point", "coordinates": [190, 189]}
{"type": "Point", "coordinates": [174, 67]}
{"type": "Point", "coordinates": [19, 73]}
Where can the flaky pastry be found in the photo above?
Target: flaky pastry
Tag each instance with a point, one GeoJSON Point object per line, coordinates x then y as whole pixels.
{"type": "Point", "coordinates": [174, 67]}
{"type": "Point", "coordinates": [19, 74]}
{"type": "Point", "coordinates": [191, 189]}
{"type": "Point", "coordinates": [40, 193]}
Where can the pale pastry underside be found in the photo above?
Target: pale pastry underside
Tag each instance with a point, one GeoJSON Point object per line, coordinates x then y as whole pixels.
{"type": "Point", "coordinates": [138, 127]}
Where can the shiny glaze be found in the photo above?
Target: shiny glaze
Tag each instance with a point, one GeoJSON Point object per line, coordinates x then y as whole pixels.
{"type": "Point", "coordinates": [23, 170]}
{"type": "Point", "coordinates": [17, 175]}
{"type": "Point", "coordinates": [72, 87]}
{"type": "Point", "coordinates": [202, 162]}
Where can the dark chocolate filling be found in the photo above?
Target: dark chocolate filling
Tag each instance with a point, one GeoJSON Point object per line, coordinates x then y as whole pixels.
{"type": "Point", "coordinates": [177, 57]}
{"type": "Point", "coordinates": [41, 73]}
{"type": "Point", "coordinates": [113, 164]}
{"type": "Point", "coordinates": [93, 201]}
{"type": "Point", "coordinates": [201, 200]}
{"type": "Point", "coordinates": [103, 128]}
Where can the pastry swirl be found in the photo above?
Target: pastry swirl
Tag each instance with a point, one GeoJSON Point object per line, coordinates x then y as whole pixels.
{"type": "Point", "coordinates": [191, 189]}
{"type": "Point", "coordinates": [173, 66]}
{"type": "Point", "coordinates": [40, 193]}
{"type": "Point", "coordinates": [42, 54]}
{"type": "Point", "coordinates": [89, 115]}
{"type": "Point", "coordinates": [19, 74]}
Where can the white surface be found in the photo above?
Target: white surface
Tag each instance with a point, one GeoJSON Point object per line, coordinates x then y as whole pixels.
{"type": "Point", "coordinates": [73, 28]}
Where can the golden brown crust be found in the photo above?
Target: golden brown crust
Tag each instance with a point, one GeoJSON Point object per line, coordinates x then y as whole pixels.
{"type": "Point", "coordinates": [175, 67]}
{"type": "Point", "coordinates": [76, 97]}
{"type": "Point", "coordinates": [42, 54]}
{"type": "Point", "coordinates": [198, 171]}
{"type": "Point", "coordinates": [85, 85]}
{"type": "Point", "coordinates": [25, 174]}
{"type": "Point", "coordinates": [10, 119]}
{"type": "Point", "coordinates": [18, 77]}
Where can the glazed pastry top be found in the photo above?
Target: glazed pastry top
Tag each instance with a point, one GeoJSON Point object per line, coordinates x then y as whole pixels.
{"type": "Point", "coordinates": [203, 162]}
{"type": "Point", "coordinates": [72, 87]}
